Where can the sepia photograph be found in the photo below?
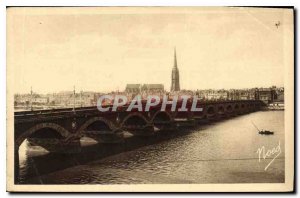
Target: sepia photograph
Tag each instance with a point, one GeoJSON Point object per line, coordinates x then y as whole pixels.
{"type": "Point", "coordinates": [150, 99]}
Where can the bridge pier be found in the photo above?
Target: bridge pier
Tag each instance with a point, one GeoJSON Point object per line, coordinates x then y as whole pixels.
{"type": "Point", "coordinates": [105, 137]}
{"type": "Point", "coordinates": [164, 126]}
{"type": "Point", "coordinates": [203, 120]}
{"type": "Point", "coordinates": [57, 145]}
{"type": "Point", "coordinates": [180, 122]}
{"type": "Point", "coordinates": [147, 130]}
{"type": "Point", "coordinates": [221, 116]}
{"type": "Point", "coordinates": [16, 165]}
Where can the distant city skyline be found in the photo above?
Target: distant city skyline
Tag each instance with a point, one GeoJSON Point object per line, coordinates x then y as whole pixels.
{"type": "Point", "coordinates": [52, 50]}
{"type": "Point", "coordinates": [124, 90]}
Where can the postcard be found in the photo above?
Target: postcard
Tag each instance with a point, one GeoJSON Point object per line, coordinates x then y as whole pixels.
{"type": "Point", "coordinates": [150, 99]}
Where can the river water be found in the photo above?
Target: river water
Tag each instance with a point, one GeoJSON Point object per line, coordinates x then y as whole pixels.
{"type": "Point", "coordinates": [220, 152]}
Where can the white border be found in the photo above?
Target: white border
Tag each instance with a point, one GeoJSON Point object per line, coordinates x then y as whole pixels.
{"type": "Point", "coordinates": [3, 5]}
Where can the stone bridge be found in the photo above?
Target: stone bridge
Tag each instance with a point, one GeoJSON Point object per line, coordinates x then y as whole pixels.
{"type": "Point", "coordinates": [64, 127]}
{"type": "Point", "coordinates": [60, 130]}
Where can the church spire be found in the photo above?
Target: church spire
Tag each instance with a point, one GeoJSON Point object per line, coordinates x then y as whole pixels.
{"type": "Point", "coordinates": [175, 58]}
{"type": "Point", "coordinates": [175, 75]}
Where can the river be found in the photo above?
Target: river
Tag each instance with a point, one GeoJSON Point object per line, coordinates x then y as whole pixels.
{"type": "Point", "coordinates": [220, 152]}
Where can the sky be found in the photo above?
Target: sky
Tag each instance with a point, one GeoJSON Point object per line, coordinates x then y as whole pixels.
{"type": "Point", "coordinates": [103, 49]}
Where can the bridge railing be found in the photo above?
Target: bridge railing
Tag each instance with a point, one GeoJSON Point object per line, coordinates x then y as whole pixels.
{"type": "Point", "coordinates": [53, 111]}
{"type": "Point", "coordinates": [94, 108]}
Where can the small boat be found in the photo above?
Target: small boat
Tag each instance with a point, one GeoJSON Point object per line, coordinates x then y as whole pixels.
{"type": "Point", "coordinates": [263, 132]}
{"type": "Point", "coordinates": [266, 132]}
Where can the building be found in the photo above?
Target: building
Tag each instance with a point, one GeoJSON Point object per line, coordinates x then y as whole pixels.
{"type": "Point", "coordinates": [145, 88]}
{"type": "Point", "coordinates": [175, 86]}
{"type": "Point", "coordinates": [40, 100]}
{"type": "Point", "coordinates": [247, 94]}
{"type": "Point", "coordinates": [280, 94]}
{"type": "Point", "coordinates": [133, 88]}
{"type": "Point", "coordinates": [152, 88]}
{"type": "Point", "coordinates": [215, 95]}
{"type": "Point", "coordinates": [267, 95]}
{"type": "Point", "coordinates": [234, 94]}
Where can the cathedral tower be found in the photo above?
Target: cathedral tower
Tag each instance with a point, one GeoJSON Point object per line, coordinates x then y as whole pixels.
{"type": "Point", "coordinates": [175, 75]}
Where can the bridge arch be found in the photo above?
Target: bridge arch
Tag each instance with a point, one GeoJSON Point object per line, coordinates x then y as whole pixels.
{"type": "Point", "coordinates": [93, 120]}
{"type": "Point", "coordinates": [243, 108]}
{"type": "Point", "coordinates": [236, 107]}
{"type": "Point", "coordinates": [211, 110]}
{"type": "Point", "coordinates": [138, 116]}
{"type": "Point", "coordinates": [248, 107]}
{"type": "Point", "coordinates": [251, 106]}
{"type": "Point", "coordinates": [165, 116]}
{"type": "Point", "coordinates": [229, 108]}
{"type": "Point", "coordinates": [59, 129]}
{"type": "Point", "coordinates": [220, 109]}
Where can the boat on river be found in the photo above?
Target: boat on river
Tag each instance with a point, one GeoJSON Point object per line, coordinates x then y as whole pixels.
{"type": "Point", "coordinates": [263, 132]}
{"type": "Point", "coordinates": [266, 132]}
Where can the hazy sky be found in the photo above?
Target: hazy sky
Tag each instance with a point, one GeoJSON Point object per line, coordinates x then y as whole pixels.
{"type": "Point", "coordinates": [103, 49]}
